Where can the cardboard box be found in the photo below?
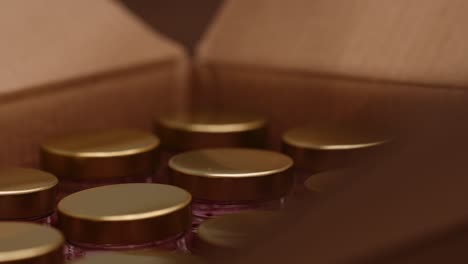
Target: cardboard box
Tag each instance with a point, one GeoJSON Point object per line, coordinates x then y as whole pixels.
{"type": "Point", "coordinates": [87, 64]}
{"type": "Point", "coordinates": [77, 65]}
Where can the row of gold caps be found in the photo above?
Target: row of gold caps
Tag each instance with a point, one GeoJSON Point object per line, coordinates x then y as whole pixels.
{"type": "Point", "coordinates": [120, 153]}
{"type": "Point", "coordinates": [26, 243]}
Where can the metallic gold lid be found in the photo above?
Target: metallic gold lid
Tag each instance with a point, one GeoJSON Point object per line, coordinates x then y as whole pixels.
{"type": "Point", "coordinates": [26, 193]}
{"type": "Point", "coordinates": [187, 131]}
{"type": "Point", "coordinates": [139, 257]}
{"type": "Point", "coordinates": [325, 181]}
{"type": "Point", "coordinates": [125, 214]}
{"type": "Point", "coordinates": [30, 243]}
{"type": "Point", "coordinates": [235, 231]}
{"type": "Point", "coordinates": [108, 154]}
{"type": "Point", "coordinates": [333, 137]}
{"type": "Point", "coordinates": [330, 146]}
{"type": "Point", "coordinates": [232, 174]}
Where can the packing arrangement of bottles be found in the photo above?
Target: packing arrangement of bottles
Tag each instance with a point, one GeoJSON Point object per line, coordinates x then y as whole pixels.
{"type": "Point", "coordinates": [203, 184]}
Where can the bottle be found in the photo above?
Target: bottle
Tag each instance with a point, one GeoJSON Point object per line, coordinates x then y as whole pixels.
{"type": "Point", "coordinates": [89, 160]}
{"type": "Point", "coordinates": [139, 257]}
{"type": "Point", "coordinates": [322, 147]}
{"type": "Point", "coordinates": [231, 180]}
{"type": "Point", "coordinates": [27, 195]}
{"type": "Point", "coordinates": [27, 243]}
{"type": "Point", "coordinates": [125, 217]}
{"type": "Point", "coordinates": [185, 131]}
{"type": "Point", "coordinates": [233, 235]}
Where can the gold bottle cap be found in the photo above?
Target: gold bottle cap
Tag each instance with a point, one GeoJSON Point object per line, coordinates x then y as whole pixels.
{"type": "Point", "coordinates": [232, 174]}
{"type": "Point", "coordinates": [333, 137]}
{"type": "Point", "coordinates": [139, 257]}
{"type": "Point", "coordinates": [324, 147]}
{"type": "Point", "coordinates": [188, 131]}
{"type": "Point", "coordinates": [108, 154]}
{"type": "Point", "coordinates": [26, 243]}
{"type": "Point", "coordinates": [125, 214]}
{"type": "Point", "coordinates": [26, 193]}
{"type": "Point", "coordinates": [325, 181]}
{"type": "Point", "coordinates": [235, 231]}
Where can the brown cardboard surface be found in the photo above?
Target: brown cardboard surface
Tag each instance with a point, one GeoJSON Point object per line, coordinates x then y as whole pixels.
{"type": "Point", "coordinates": [291, 99]}
{"type": "Point", "coordinates": [305, 61]}
{"type": "Point", "coordinates": [407, 208]}
{"type": "Point", "coordinates": [77, 65]}
{"type": "Point", "coordinates": [417, 41]}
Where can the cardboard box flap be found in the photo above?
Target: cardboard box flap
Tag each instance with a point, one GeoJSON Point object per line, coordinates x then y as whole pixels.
{"type": "Point", "coordinates": [410, 206]}
{"type": "Point", "coordinates": [415, 41]}
{"type": "Point", "coordinates": [54, 41]}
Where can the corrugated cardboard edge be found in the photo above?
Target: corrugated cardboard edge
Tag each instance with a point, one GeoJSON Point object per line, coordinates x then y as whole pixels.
{"type": "Point", "coordinates": [130, 97]}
